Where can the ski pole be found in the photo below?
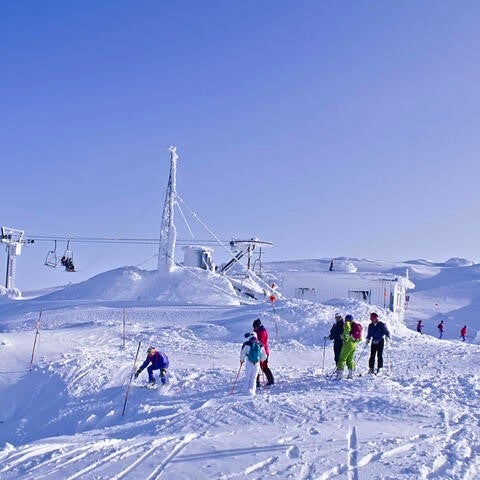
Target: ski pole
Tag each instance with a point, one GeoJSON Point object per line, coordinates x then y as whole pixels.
{"type": "Point", "coordinates": [262, 376]}
{"type": "Point", "coordinates": [323, 360]}
{"type": "Point", "coordinates": [236, 378]}
{"type": "Point", "coordinates": [387, 351]}
{"type": "Point", "coordinates": [130, 381]}
{"type": "Point", "coordinates": [360, 355]}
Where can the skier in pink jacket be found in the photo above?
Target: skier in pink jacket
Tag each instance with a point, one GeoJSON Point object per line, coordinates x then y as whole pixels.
{"type": "Point", "coordinates": [262, 335]}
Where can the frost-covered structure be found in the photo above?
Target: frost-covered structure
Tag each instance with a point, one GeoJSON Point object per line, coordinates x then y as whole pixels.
{"type": "Point", "coordinates": [168, 234]}
{"type": "Point", "coordinates": [386, 290]}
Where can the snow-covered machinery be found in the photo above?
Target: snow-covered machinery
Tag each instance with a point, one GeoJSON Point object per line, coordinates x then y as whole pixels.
{"type": "Point", "coordinates": [13, 240]}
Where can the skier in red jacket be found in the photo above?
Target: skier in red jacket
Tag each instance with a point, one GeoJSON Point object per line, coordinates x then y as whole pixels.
{"type": "Point", "coordinates": [463, 333]}
{"type": "Point", "coordinates": [262, 335]}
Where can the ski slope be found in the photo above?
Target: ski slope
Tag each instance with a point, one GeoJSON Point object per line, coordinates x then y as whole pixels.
{"type": "Point", "coordinates": [419, 420]}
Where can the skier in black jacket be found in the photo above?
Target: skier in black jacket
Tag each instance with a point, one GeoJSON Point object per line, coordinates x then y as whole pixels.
{"type": "Point", "coordinates": [336, 335]}
{"type": "Point", "coordinates": [376, 332]}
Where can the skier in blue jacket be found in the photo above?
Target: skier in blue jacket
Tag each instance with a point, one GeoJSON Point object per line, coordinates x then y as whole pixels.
{"type": "Point", "coordinates": [158, 361]}
{"type": "Point", "coordinates": [376, 332]}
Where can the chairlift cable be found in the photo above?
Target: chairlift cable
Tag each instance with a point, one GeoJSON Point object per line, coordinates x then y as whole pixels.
{"type": "Point", "coordinates": [205, 226]}
{"type": "Point", "coordinates": [185, 219]}
{"type": "Point", "coordinates": [110, 240]}
{"type": "Point", "coordinates": [147, 260]}
{"type": "Point", "coordinates": [129, 225]}
{"type": "Point", "coordinates": [265, 285]}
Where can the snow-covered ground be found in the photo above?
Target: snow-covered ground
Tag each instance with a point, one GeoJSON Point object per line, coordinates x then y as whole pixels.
{"type": "Point", "coordinates": [63, 419]}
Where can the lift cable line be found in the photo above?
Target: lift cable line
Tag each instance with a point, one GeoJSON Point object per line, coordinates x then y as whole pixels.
{"type": "Point", "coordinates": [113, 240]}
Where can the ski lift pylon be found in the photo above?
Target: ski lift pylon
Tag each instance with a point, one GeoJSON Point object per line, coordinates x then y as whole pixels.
{"type": "Point", "coordinates": [51, 258]}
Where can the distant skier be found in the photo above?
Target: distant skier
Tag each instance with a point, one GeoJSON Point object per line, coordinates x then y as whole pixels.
{"type": "Point", "coordinates": [347, 354]}
{"type": "Point", "coordinates": [377, 331]}
{"type": "Point", "coordinates": [463, 333]}
{"type": "Point", "coordinates": [441, 328]}
{"type": "Point", "coordinates": [419, 327]}
{"type": "Point", "coordinates": [336, 335]}
{"type": "Point", "coordinates": [252, 353]}
{"type": "Point", "coordinates": [262, 335]}
{"type": "Point", "coordinates": [158, 361]}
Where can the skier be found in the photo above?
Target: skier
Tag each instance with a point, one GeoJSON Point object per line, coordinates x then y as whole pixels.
{"type": "Point", "coordinates": [158, 361]}
{"type": "Point", "coordinates": [262, 335]}
{"type": "Point", "coordinates": [376, 332]}
{"type": "Point", "coordinates": [347, 354]}
{"type": "Point", "coordinates": [419, 327]}
{"type": "Point", "coordinates": [336, 335]}
{"type": "Point", "coordinates": [440, 327]}
{"type": "Point", "coordinates": [463, 333]}
{"type": "Point", "coordinates": [252, 353]}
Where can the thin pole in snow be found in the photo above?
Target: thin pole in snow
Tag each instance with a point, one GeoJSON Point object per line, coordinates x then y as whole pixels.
{"type": "Point", "coordinates": [36, 336]}
{"type": "Point", "coordinates": [272, 299]}
{"type": "Point", "coordinates": [131, 377]}
{"type": "Point", "coordinates": [124, 328]}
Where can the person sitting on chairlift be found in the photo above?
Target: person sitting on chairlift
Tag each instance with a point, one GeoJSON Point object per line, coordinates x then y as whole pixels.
{"type": "Point", "coordinates": [67, 262]}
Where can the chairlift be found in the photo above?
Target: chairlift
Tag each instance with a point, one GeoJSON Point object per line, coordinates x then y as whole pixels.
{"type": "Point", "coordinates": [51, 259]}
{"type": "Point", "coordinates": [67, 259]}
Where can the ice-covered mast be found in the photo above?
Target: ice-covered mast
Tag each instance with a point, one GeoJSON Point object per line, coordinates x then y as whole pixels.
{"type": "Point", "coordinates": [168, 233]}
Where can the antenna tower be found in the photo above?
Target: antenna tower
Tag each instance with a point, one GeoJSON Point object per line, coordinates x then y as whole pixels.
{"type": "Point", "coordinates": [168, 233]}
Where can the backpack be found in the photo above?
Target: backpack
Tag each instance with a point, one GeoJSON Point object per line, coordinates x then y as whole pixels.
{"type": "Point", "coordinates": [356, 331]}
{"type": "Point", "coordinates": [254, 352]}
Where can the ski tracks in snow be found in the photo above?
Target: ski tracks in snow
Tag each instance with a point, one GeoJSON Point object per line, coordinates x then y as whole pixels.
{"type": "Point", "coordinates": [104, 459]}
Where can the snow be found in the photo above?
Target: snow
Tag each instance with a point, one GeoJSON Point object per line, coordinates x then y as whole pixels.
{"type": "Point", "coordinates": [63, 419]}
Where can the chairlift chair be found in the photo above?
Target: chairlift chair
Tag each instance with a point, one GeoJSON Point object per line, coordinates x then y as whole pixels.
{"type": "Point", "coordinates": [67, 259]}
{"type": "Point", "coordinates": [51, 259]}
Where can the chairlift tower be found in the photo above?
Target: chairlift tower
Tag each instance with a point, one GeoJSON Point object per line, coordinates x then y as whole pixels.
{"type": "Point", "coordinates": [13, 239]}
{"type": "Point", "coordinates": [168, 233]}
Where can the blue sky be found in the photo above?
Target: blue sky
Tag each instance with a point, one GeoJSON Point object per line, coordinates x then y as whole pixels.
{"type": "Point", "coordinates": [329, 128]}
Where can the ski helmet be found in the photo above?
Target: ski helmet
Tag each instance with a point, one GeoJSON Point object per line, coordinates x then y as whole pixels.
{"type": "Point", "coordinates": [349, 318]}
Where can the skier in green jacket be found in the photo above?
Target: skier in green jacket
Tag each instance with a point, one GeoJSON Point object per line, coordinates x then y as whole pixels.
{"type": "Point", "coordinates": [350, 340]}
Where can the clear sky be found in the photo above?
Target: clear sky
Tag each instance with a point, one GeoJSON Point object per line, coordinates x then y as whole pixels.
{"type": "Point", "coordinates": [329, 128]}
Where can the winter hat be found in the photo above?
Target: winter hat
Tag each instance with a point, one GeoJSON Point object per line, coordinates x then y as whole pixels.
{"type": "Point", "coordinates": [349, 318]}
{"type": "Point", "coordinates": [338, 317]}
{"type": "Point", "coordinates": [257, 323]}
{"type": "Point", "coordinates": [250, 335]}
{"type": "Point", "coordinates": [150, 350]}
{"type": "Point", "coordinates": [373, 315]}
